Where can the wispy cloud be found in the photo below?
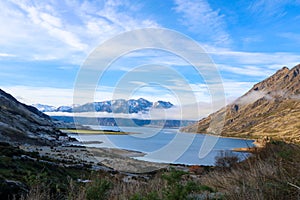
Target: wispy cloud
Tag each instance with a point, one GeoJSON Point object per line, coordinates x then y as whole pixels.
{"type": "Point", "coordinates": [268, 7]}
{"type": "Point", "coordinates": [63, 33]}
{"type": "Point", "coordinates": [295, 37]}
{"type": "Point", "coordinates": [257, 58]}
{"type": "Point", "coordinates": [271, 8]}
{"type": "Point", "coordinates": [43, 95]}
{"type": "Point", "coordinates": [199, 17]}
{"type": "Point", "coordinates": [234, 89]}
{"type": "Point", "coordinates": [253, 64]}
{"type": "Point", "coordinates": [251, 97]}
{"type": "Point", "coordinates": [246, 70]}
{"type": "Point", "coordinates": [64, 30]}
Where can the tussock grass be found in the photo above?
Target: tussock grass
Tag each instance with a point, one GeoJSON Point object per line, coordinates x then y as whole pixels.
{"type": "Point", "coordinates": [267, 175]}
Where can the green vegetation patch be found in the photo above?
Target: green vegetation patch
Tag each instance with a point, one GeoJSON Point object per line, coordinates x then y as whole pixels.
{"type": "Point", "coordinates": [95, 132]}
{"type": "Point", "coordinates": [29, 170]}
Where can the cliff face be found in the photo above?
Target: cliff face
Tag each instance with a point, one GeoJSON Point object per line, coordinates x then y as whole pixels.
{"type": "Point", "coordinates": [20, 123]}
{"type": "Point", "coordinates": [271, 108]}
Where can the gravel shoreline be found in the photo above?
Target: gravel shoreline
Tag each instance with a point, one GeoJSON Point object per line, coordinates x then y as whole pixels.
{"type": "Point", "coordinates": [98, 158]}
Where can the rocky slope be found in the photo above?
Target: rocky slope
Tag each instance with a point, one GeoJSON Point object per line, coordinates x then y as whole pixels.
{"type": "Point", "coordinates": [20, 123]}
{"type": "Point", "coordinates": [271, 108]}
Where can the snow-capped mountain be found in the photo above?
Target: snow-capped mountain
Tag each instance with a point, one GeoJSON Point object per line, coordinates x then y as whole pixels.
{"type": "Point", "coordinates": [44, 108]}
{"type": "Point", "coordinates": [64, 109]}
{"type": "Point", "coordinates": [115, 106]}
{"type": "Point", "coordinates": [162, 104]}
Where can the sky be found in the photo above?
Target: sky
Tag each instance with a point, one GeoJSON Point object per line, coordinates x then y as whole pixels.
{"type": "Point", "coordinates": [44, 45]}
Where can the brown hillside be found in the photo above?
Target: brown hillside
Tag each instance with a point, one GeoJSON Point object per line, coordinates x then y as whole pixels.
{"type": "Point", "coordinates": [270, 108]}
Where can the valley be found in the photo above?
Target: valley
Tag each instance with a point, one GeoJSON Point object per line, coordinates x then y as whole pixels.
{"type": "Point", "coordinates": [33, 137]}
{"type": "Point", "coordinates": [149, 100]}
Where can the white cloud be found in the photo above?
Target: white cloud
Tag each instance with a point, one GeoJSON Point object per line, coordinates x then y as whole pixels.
{"type": "Point", "coordinates": [64, 30]}
{"type": "Point", "coordinates": [51, 20]}
{"type": "Point", "coordinates": [186, 112]}
{"type": "Point", "coordinates": [7, 55]}
{"type": "Point", "coordinates": [52, 24]}
{"type": "Point", "coordinates": [68, 30]}
{"type": "Point", "coordinates": [251, 97]}
{"type": "Point", "coordinates": [199, 17]}
{"type": "Point", "coordinates": [43, 95]}
{"type": "Point", "coordinates": [235, 89]}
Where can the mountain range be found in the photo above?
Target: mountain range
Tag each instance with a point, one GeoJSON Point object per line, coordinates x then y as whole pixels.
{"type": "Point", "coordinates": [115, 106]}
{"type": "Point", "coordinates": [270, 108]}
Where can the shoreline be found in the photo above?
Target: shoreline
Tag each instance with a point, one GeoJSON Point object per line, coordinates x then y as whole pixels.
{"type": "Point", "coordinates": [258, 144]}
{"type": "Point", "coordinates": [222, 136]}
{"type": "Point", "coordinates": [107, 159]}
{"type": "Point", "coordinates": [95, 132]}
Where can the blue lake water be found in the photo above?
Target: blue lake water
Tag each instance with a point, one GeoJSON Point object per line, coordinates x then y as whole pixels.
{"type": "Point", "coordinates": [169, 145]}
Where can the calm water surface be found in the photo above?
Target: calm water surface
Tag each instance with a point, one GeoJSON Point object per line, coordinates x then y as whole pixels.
{"type": "Point", "coordinates": [169, 145]}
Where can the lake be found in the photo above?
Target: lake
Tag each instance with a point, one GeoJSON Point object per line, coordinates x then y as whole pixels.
{"type": "Point", "coordinates": [168, 145]}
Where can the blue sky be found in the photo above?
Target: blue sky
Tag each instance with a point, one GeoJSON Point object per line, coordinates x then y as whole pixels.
{"type": "Point", "coordinates": [44, 43]}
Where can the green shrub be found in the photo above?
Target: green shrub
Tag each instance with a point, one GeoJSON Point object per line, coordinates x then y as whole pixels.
{"type": "Point", "coordinates": [177, 188]}
{"type": "Point", "coordinates": [150, 196]}
{"type": "Point", "coordinates": [98, 190]}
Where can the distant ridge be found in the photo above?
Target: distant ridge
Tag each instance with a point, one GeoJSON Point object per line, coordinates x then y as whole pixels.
{"type": "Point", "coordinates": [271, 108]}
{"type": "Point", "coordinates": [115, 106]}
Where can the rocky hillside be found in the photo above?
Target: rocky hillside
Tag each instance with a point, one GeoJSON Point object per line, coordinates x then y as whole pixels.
{"type": "Point", "coordinates": [20, 123]}
{"type": "Point", "coordinates": [271, 108]}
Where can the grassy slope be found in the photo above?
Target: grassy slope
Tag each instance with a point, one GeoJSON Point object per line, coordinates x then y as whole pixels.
{"type": "Point", "coordinates": [279, 119]}
{"type": "Point", "coordinates": [272, 173]}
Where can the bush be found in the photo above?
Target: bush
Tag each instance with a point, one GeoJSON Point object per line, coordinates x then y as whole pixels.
{"type": "Point", "coordinates": [226, 159]}
{"type": "Point", "coordinates": [150, 196]}
{"type": "Point", "coordinates": [98, 190]}
{"type": "Point", "coordinates": [177, 188]}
